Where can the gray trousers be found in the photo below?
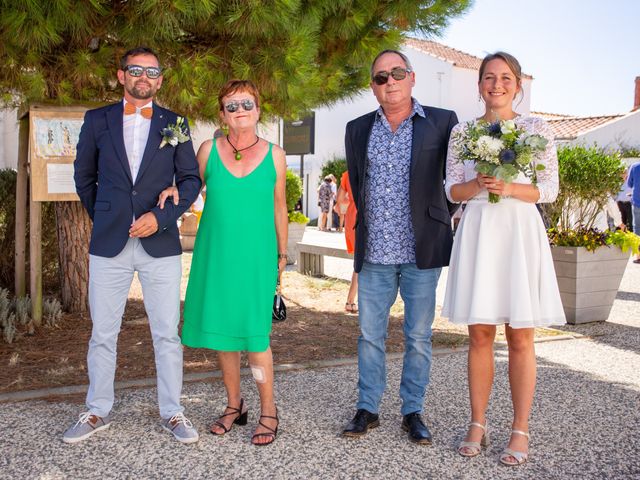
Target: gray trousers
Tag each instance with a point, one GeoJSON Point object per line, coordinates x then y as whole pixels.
{"type": "Point", "coordinates": [109, 284]}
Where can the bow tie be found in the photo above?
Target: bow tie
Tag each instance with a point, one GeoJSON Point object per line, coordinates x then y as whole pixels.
{"type": "Point", "coordinates": [130, 109]}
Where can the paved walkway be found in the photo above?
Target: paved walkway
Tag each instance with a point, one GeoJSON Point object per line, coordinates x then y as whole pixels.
{"type": "Point", "coordinates": [585, 422]}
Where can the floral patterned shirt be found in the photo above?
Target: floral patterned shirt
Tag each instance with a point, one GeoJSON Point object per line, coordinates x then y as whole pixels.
{"type": "Point", "coordinates": [390, 238]}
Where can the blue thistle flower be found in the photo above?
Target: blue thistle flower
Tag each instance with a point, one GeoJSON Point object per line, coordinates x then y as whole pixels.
{"type": "Point", "coordinates": [494, 128]}
{"type": "Point", "coordinates": [507, 156]}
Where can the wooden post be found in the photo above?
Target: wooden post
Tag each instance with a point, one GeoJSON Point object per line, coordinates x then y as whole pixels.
{"type": "Point", "coordinates": [21, 209]}
{"type": "Point", "coordinates": [35, 258]}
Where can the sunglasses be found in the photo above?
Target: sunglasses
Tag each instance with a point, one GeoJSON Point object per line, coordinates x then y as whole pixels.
{"type": "Point", "coordinates": [234, 105]}
{"type": "Point", "coordinates": [398, 73]}
{"type": "Point", "coordinates": [137, 71]}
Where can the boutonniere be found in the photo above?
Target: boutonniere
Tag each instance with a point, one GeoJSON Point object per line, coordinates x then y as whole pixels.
{"type": "Point", "coordinates": [174, 133]}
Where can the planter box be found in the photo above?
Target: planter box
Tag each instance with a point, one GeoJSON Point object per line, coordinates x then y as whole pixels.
{"type": "Point", "coordinates": [296, 232]}
{"type": "Point", "coordinates": [588, 281]}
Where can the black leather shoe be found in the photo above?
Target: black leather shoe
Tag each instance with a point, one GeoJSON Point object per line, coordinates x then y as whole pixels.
{"type": "Point", "coordinates": [418, 431]}
{"type": "Point", "coordinates": [361, 423]}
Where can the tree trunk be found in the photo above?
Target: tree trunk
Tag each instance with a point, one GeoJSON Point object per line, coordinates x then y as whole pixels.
{"type": "Point", "coordinates": [74, 232]}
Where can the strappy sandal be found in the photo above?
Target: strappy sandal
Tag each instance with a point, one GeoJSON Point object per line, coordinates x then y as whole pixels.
{"type": "Point", "coordinates": [508, 453]}
{"type": "Point", "coordinates": [241, 418]}
{"type": "Point", "coordinates": [272, 433]}
{"type": "Point", "coordinates": [351, 307]}
{"type": "Point", "coordinates": [473, 449]}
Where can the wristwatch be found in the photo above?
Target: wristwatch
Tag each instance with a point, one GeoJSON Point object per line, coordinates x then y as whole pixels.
{"type": "Point", "coordinates": [282, 255]}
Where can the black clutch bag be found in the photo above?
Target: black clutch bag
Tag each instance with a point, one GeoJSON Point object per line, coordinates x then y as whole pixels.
{"type": "Point", "coordinates": [279, 311]}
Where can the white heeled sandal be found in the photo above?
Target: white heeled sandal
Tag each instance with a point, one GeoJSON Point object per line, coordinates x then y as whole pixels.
{"type": "Point", "coordinates": [508, 454]}
{"type": "Point", "coordinates": [473, 449]}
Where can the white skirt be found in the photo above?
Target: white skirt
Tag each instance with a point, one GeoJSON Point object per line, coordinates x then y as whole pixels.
{"type": "Point", "coordinates": [501, 268]}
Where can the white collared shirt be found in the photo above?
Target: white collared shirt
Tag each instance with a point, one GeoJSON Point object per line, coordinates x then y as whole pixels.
{"type": "Point", "coordinates": [135, 129]}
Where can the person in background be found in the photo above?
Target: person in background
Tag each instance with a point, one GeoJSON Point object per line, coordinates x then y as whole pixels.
{"type": "Point", "coordinates": [633, 182]}
{"type": "Point", "coordinates": [623, 200]}
{"type": "Point", "coordinates": [325, 194]}
{"type": "Point", "coordinates": [501, 269]}
{"type": "Point", "coordinates": [347, 208]}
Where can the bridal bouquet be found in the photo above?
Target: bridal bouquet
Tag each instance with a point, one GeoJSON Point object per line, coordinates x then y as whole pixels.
{"type": "Point", "coordinates": [500, 149]}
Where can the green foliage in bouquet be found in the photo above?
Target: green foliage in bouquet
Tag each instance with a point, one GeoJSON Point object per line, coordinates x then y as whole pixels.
{"type": "Point", "coordinates": [293, 193]}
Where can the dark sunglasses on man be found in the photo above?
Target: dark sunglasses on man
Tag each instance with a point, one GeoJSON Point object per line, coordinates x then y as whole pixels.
{"type": "Point", "coordinates": [398, 73]}
{"type": "Point", "coordinates": [234, 105]}
{"type": "Point", "coordinates": [137, 71]}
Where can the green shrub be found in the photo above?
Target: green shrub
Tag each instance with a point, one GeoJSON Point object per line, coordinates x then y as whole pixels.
{"type": "Point", "coordinates": [335, 166]}
{"type": "Point", "coordinates": [589, 176]}
{"type": "Point", "coordinates": [294, 192]}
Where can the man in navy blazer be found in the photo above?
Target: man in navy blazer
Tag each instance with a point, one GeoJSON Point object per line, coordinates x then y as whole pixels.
{"type": "Point", "coordinates": [396, 160]}
{"type": "Point", "coordinates": [122, 165]}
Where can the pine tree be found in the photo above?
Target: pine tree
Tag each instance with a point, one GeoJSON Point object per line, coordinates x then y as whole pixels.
{"type": "Point", "coordinates": [301, 54]}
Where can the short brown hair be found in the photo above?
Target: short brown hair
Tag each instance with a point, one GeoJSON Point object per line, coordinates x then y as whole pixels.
{"type": "Point", "coordinates": [235, 85]}
{"type": "Point", "coordinates": [142, 50]}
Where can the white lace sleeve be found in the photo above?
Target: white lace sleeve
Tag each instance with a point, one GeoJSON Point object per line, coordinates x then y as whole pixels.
{"type": "Point", "coordinates": [454, 173]}
{"type": "Point", "coordinates": [547, 178]}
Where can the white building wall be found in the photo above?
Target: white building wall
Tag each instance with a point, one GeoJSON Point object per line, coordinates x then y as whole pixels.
{"type": "Point", "coordinates": [622, 132]}
{"type": "Point", "coordinates": [9, 134]}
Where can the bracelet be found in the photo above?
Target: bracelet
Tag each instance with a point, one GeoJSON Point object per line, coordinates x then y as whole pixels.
{"type": "Point", "coordinates": [282, 255]}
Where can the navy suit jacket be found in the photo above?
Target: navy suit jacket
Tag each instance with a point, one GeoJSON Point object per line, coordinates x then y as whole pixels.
{"type": "Point", "coordinates": [430, 210]}
{"type": "Point", "coordinates": [112, 198]}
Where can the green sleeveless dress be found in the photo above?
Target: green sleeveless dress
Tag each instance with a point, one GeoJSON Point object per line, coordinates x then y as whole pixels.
{"type": "Point", "coordinates": [234, 267]}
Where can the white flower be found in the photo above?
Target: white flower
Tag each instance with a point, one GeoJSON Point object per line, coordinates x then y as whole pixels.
{"type": "Point", "coordinates": [488, 148]}
{"type": "Point", "coordinates": [507, 126]}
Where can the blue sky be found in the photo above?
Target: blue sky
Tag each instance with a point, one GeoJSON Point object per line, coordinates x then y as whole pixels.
{"type": "Point", "coordinates": [584, 55]}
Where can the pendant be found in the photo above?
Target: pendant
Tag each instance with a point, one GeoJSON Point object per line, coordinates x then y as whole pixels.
{"type": "Point", "coordinates": [238, 156]}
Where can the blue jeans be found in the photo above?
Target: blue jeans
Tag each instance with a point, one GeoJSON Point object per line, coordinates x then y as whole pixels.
{"type": "Point", "coordinates": [377, 291]}
{"type": "Point", "coordinates": [636, 220]}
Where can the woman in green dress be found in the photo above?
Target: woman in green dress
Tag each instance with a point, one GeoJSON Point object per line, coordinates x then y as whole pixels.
{"type": "Point", "coordinates": [239, 253]}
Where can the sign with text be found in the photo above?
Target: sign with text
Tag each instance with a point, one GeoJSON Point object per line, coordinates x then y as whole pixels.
{"type": "Point", "coordinates": [299, 136]}
{"type": "Point", "coordinates": [54, 133]}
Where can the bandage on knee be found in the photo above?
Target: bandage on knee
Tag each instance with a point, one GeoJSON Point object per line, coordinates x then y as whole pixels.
{"type": "Point", "coordinates": [259, 374]}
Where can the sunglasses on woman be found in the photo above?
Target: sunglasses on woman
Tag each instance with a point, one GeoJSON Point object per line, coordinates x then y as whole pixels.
{"type": "Point", "coordinates": [398, 73]}
{"type": "Point", "coordinates": [137, 71]}
{"type": "Point", "coordinates": [234, 105]}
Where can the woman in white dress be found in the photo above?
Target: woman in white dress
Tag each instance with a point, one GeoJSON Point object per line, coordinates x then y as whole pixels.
{"type": "Point", "coordinates": [501, 270]}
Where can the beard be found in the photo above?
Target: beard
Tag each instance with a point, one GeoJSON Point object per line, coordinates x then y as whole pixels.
{"type": "Point", "coordinates": [141, 90]}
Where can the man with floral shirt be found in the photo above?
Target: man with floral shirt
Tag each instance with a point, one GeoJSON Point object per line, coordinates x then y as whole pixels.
{"type": "Point", "coordinates": [396, 160]}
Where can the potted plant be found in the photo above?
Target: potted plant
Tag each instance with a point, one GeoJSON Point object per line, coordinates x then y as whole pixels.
{"type": "Point", "coordinates": [297, 220]}
{"type": "Point", "coordinates": [589, 263]}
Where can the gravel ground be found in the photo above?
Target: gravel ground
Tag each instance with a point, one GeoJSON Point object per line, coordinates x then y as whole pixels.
{"type": "Point", "coordinates": [585, 422]}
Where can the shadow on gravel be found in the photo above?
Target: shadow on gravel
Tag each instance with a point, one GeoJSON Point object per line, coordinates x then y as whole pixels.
{"type": "Point", "coordinates": [615, 335]}
{"type": "Point", "coordinates": [629, 296]}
